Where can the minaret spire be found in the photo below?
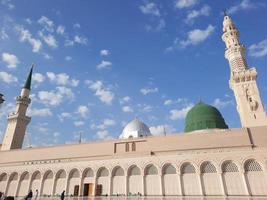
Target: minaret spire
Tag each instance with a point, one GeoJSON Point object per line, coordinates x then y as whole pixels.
{"type": "Point", "coordinates": [27, 84]}
{"type": "Point", "coordinates": [242, 78]}
{"type": "Point", "coordinates": [18, 120]}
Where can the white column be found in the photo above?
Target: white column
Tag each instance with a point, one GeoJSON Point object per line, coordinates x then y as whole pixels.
{"type": "Point", "coordinates": [222, 184]}
{"type": "Point", "coordinates": [126, 185]}
{"type": "Point", "coordinates": [161, 187]}
{"type": "Point", "coordinates": [94, 185]}
{"type": "Point", "coordinates": [53, 185]}
{"type": "Point", "coordinates": [7, 180]}
{"type": "Point", "coordinates": [200, 184]}
{"type": "Point", "coordinates": [66, 185]}
{"type": "Point", "coordinates": [41, 184]}
{"type": "Point", "coordinates": [110, 185]}
{"type": "Point", "coordinates": [181, 184]}
{"type": "Point", "coordinates": [81, 187]}
{"type": "Point", "coordinates": [245, 184]}
{"type": "Point", "coordinates": [18, 184]}
{"type": "Point", "coordinates": [29, 184]}
{"type": "Point", "coordinates": [143, 183]}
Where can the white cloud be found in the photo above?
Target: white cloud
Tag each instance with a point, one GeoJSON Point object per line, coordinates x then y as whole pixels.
{"type": "Point", "coordinates": [243, 5]}
{"type": "Point", "coordinates": [55, 97]}
{"type": "Point", "coordinates": [168, 102]}
{"type": "Point", "coordinates": [127, 109]}
{"type": "Point", "coordinates": [60, 30]}
{"type": "Point", "coordinates": [7, 78]}
{"type": "Point", "coordinates": [8, 3]}
{"type": "Point", "coordinates": [3, 35]}
{"type": "Point", "coordinates": [77, 39]}
{"type": "Point", "coordinates": [83, 110]}
{"type": "Point", "coordinates": [10, 59]}
{"type": "Point", "coordinates": [197, 36]}
{"type": "Point", "coordinates": [105, 124]}
{"type": "Point", "coordinates": [68, 58]}
{"type": "Point", "coordinates": [103, 134]}
{"type": "Point", "coordinates": [26, 36]}
{"type": "Point", "coordinates": [218, 103]}
{"type": "Point", "coordinates": [103, 93]}
{"type": "Point", "coordinates": [62, 79]}
{"type": "Point", "coordinates": [125, 99]}
{"type": "Point", "coordinates": [258, 50]}
{"type": "Point", "coordinates": [76, 25]}
{"type": "Point", "coordinates": [161, 129]}
{"type": "Point", "coordinates": [47, 56]}
{"type": "Point", "coordinates": [64, 115]}
{"type": "Point", "coordinates": [171, 102]}
{"type": "Point", "coordinates": [180, 114]}
{"type": "Point", "coordinates": [48, 39]}
{"type": "Point", "coordinates": [46, 23]}
{"type": "Point", "coordinates": [28, 20]}
{"type": "Point", "coordinates": [43, 112]}
{"type": "Point", "coordinates": [80, 39]}
{"type": "Point", "coordinates": [104, 52]}
{"type": "Point", "coordinates": [146, 91]}
{"type": "Point", "coordinates": [204, 11]}
{"type": "Point", "coordinates": [78, 123]}
{"type": "Point", "coordinates": [180, 4]}
{"type": "Point", "coordinates": [104, 65]}
{"type": "Point", "coordinates": [150, 8]}
{"type": "Point", "coordinates": [37, 77]}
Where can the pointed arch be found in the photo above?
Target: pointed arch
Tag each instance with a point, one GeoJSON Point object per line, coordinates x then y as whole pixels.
{"type": "Point", "coordinates": [210, 179]}
{"type": "Point", "coordinates": [152, 181]}
{"type": "Point", "coordinates": [189, 179]}
{"type": "Point", "coordinates": [3, 181]}
{"type": "Point", "coordinates": [118, 181]}
{"type": "Point", "coordinates": [12, 184]}
{"type": "Point", "coordinates": [35, 181]}
{"type": "Point", "coordinates": [74, 180]}
{"type": "Point", "coordinates": [60, 182]}
{"type": "Point", "coordinates": [256, 177]}
{"type": "Point", "coordinates": [234, 184]}
{"type": "Point", "coordinates": [170, 180]}
{"type": "Point", "coordinates": [103, 181]}
{"type": "Point", "coordinates": [47, 183]}
{"type": "Point", "coordinates": [134, 179]}
{"type": "Point", "coordinates": [23, 185]}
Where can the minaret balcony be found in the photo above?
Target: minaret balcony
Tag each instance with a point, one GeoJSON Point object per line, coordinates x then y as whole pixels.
{"type": "Point", "coordinates": [243, 76]}
{"type": "Point", "coordinates": [24, 100]}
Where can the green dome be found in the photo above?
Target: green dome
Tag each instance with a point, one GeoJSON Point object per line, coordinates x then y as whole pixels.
{"type": "Point", "coordinates": [203, 116]}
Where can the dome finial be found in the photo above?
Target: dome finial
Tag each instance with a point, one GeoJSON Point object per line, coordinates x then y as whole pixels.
{"type": "Point", "coordinates": [225, 12]}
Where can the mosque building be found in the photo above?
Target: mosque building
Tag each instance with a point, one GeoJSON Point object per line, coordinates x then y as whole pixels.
{"type": "Point", "coordinates": [208, 159]}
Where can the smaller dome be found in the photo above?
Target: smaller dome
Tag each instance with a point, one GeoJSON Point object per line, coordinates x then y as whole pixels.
{"type": "Point", "coordinates": [135, 128]}
{"type": "Point", "coordinates": [203, 116]}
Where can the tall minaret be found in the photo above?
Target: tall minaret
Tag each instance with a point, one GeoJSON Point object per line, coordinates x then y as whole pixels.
{"type": "Point", "coordinates": [18, 121]}
{"type": "Point", "coordinates": [242, 78]}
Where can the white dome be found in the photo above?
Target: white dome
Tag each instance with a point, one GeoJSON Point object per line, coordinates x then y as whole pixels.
{"type": "Point", "coordinates": [135, 128]}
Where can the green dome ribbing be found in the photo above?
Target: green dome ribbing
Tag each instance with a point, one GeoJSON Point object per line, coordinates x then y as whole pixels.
{"type": "Point", "coordinates": [203, 116]}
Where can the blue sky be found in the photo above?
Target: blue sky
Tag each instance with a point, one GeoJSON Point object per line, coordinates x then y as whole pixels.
{"type": "Point", "coordinates": [100, 63]}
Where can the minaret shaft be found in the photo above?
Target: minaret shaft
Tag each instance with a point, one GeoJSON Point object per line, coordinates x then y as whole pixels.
{"type": "Point", "coordinates": [18, 120]}
{"type": "Point", "coordinates": [242, 78]}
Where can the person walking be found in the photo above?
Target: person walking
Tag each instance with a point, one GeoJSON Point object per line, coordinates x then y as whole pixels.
{"type": "Point", "coordinates": [36, 195]}
{"type": "Point", "coordinates": [62, 197]}
{"type": "Point", "coordinates": [29, 196]}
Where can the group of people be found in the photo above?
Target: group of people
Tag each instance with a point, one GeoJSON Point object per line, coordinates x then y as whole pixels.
{"type": "Point", "coordinates": [30, 195]}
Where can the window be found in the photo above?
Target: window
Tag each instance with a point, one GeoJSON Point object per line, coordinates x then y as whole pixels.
{"type": "Point", "coordinates": [252, 165]}
{"type": "Point", "coordinates": [229, 166]}
{"type": "Point", "coordinates": [127, 147]}
{"type": "Point", "coordinates": [133, 146]}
